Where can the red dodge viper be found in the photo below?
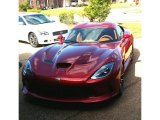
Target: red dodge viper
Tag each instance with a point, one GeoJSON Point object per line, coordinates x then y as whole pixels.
{"type": "Point", "coordinates": [87, 67]}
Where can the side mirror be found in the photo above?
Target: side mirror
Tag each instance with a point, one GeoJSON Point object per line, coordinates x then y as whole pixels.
{"type": "Point", "coordinates": [60, 38]}
{"type": "Point", "coordinates": [126, 35]}
{"type": "Point", "coordinates": [124, 39]}
{"type": "Point", "coordinates": [20, 65]}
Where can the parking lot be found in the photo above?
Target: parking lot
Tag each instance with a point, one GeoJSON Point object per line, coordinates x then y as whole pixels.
{"type": "Point", "coordinates": [127, 107]}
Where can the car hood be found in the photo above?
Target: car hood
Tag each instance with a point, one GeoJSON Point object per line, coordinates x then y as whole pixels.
{"type": "Point", "coordinates": [71, 62]}
{"type": "Point", "coordinates": [50, 27]}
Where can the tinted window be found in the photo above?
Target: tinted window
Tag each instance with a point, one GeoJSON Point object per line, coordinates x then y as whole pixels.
{"type": "Point", "coordinates": [21, 20]}
{"type": "Point", "coordinates": [120, 32]}
{"type": "Point", "coordinates": [90, 34]}
{"type": "Point", "coordinates": [36, 19]}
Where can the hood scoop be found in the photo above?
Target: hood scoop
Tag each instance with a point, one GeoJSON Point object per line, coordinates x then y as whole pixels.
{"type": "Point", "coordinates": [63, 65]}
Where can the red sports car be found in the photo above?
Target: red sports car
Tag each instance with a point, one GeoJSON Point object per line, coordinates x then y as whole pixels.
{"type": "Point", "coordinates": [87, 67]}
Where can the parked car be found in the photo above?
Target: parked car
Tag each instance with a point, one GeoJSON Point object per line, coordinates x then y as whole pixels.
{"type": "Point", "coordinates": [20, 65]}
{"type": "Point", "coordinates": [88, 67]}
{"type": "Point", "coordinates": [37, 28]}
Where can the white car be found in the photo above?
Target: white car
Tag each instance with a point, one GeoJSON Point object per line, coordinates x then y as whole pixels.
{"type": "Point", "coordinates": [37, 28]}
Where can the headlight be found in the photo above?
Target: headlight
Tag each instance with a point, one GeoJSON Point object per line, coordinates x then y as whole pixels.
{"type": "Point", "coordinates": [104, 71]}
{"type": "Point", "coordinates": [44, 33]}
{"type": "Point", "coordinates": [27, 68]}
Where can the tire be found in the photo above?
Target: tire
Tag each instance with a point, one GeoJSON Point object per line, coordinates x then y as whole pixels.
{"type": "Point", "coordinates": [132, 54]}
{"type": "Point", "coordinates": [121, 83]}
{"type": "Point", "coordinates": [33, 40]}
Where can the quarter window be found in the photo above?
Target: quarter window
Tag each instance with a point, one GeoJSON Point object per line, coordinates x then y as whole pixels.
{"type": "Point", "coordinates": [120, 32]}
{"type": "Point", "coordinates": [21, 20]}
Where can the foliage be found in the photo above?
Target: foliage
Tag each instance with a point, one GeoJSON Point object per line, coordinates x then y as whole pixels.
{"type": "Point", "coordinates": [24, 5]}
{"type": "Point", "coordinates": [67, 17]}
{"type": "Point", "coordinates": [81, 5]}
{"type": "Point", "coordinates": [97, 9]}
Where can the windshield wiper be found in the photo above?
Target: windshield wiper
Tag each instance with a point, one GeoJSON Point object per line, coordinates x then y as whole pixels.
{"type": "Point", "coordinates": [46, 22]}
{"type": "Point", "coordinates": [69, 41]}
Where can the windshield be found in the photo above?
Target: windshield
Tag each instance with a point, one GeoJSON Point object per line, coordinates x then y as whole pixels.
{"type": "Point", "coordinates": [91, 35]}
{"type": "Point", "coordinates": [36, 19]}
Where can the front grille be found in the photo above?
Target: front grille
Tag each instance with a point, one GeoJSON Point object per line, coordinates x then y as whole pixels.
{"type": "Point", "coordinates": [60, 32]}
{"type": "Point", "coordinates": [59, 91]}
{"type": "Point", "coordinates": [55, 89]}
{"type": "Point", "coordinates": [63, 91]}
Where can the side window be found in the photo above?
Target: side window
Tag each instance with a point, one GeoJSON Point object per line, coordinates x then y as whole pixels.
{"type": "Point", "coordinates": [21, 20]}
{"type": "Point", "coordinates": [120, 32]}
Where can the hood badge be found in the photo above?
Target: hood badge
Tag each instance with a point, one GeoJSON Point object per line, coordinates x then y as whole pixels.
{"type": "Point", "coordinates": [57, 78]}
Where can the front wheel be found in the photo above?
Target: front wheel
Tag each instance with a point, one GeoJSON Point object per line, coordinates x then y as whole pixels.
{"type": "Point", "coordinates": [121, 83]}
{"type": "Point", "coordinates": [132, 53]}
{"type": "Point", "coordinates": [33, 40]}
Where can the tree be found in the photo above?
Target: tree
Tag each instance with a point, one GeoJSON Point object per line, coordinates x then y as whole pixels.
{"type": "Point", "coordinates": [98, 9]}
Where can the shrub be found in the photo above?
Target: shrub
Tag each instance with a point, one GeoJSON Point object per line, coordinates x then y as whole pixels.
{"type": "Point", "coordinates": [67, 17]}
{"type": "Point", "coordinates": [24, 6]}
{"type": "Point", "coordinates": [97, 9]}
{"type": "Point", "coordinates": [81, 5]}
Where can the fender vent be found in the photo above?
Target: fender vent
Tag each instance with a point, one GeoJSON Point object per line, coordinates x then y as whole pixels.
{"type": "Point", "coordinates": [63, 65]}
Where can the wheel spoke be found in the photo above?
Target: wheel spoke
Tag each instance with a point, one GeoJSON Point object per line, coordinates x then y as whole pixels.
{"type": "Point", "coordinates": [33, 40]}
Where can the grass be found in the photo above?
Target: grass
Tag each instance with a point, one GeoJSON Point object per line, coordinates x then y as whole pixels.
{"type": "Point", "coordinates": [121, 5]}
{"type": "Point", "coordinates": [134, 27]}
{"type": "Point", "coordinates": [58, 11]}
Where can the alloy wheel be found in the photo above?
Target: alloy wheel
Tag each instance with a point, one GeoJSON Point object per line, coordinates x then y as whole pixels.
{"type": "Point", "coordinates": [33, 40]}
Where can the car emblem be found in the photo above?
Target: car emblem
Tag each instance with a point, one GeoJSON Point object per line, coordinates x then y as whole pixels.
{"type": "Point", "coordinates": [57, 78]}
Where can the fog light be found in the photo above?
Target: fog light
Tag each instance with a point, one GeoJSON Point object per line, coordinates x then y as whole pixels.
{"type": "Point", "coordinates": [45, 40]}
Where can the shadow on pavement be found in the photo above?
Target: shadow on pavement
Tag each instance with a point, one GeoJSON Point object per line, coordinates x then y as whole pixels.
{"type": "Point", "coordinates": [24, 42]}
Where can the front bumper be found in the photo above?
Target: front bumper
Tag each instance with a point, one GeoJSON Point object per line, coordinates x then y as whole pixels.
{"type": "Point", "coordinates": [78, 100]}
{"type": "Point", "coordinates": [87, 92]}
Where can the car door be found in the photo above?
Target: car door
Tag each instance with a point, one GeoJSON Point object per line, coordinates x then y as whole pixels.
{"type": "Point", "coordinates": [125, 42]}
{"type": "Point", "coordinates": [22, 29]}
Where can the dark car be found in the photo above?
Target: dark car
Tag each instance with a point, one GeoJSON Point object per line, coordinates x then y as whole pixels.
{"type": "Point", "coordinates": [88, 66]}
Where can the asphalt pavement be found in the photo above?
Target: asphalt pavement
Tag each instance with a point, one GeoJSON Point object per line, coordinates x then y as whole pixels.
{"type": "Point", "coordinates": [127, 107]}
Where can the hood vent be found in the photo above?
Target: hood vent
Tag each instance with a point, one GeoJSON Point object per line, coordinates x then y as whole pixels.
{"type": "Point", "coordinates": [63, 65]}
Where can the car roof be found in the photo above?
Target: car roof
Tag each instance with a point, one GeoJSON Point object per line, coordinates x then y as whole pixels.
{"type": "Point", "coordinates": [96, 25]}
{"type": "Point", "coordinates": [27, 13]}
